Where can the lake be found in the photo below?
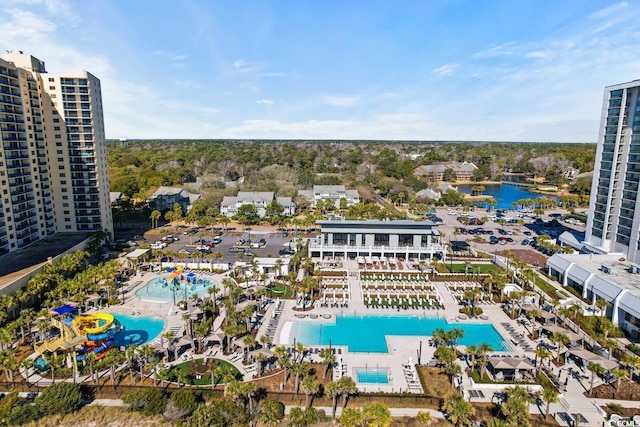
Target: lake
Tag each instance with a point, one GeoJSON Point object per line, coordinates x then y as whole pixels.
{"type": "Point", "coordinates": [505, 194]}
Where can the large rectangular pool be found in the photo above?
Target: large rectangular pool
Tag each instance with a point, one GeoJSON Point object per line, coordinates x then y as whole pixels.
{"type": "Point", "coordinates": [367, 333]}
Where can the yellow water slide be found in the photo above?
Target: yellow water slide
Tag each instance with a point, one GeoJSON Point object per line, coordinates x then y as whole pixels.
{"type": "Point", "coordinates": [95, 323]}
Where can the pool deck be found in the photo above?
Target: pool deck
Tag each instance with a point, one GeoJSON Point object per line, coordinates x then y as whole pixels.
{"type": "Point", "coordinates": [399, 360]}
{"type": "Point", "coordinates": [403, 350]}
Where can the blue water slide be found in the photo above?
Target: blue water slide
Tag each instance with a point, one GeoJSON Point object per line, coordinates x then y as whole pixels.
{"type": "Point", "coordinates": [106, 345]}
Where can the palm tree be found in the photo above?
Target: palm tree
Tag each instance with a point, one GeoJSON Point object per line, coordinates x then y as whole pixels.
{"type": "Point", "coordinates": [550, 396]}
{"type": "Point", "coordinates": [310, 386]}
{"type": "Point", "coordinates": [333, 389]}
{"type": "Point", "coordinates": [560, 340]}
{"type": "Point", "coordinates": [299, 369]}
{"type": "Point", "coordinates": [91, 358]}
{"type": "Point", "coordinates": [531, 315]}
{"type": "Point", "coordinates": [602, 304]}
{"type": "Point", "coordinates": [376, 414]}
{"type": "Point", "coordinates": [145, 351]}
{"type": "Point", "coordinates": [283, 360]}
{"type": "Point", "coordinates": [155, 216]}
{"type": "Point", "coordinates": [542, 353]}
{"type": "Point", "coordinates": [347, 388]}
{"type": "Point", "coordinates": [114, 358]}
{"type": "Point", "coordinates": [483, 349]}
{"type": "Point", "coordinates": [452, 370]}
{"type": "Point", "coordinates": [454, 335]}
{"type": "Point", "coordinates": [224, 373]}
{"type": "Point", "coordinates": [497, 422]}
{"type": "Point", "coordinates": [260, 359]}
{"type": "Point", "coordinates": [10, 364]}
{"type": "Point", "coordinates": [131, 353]}
{"type": "Point", "coordinates": [460, 411]}
{"type": "Point", "coordinates": [54, 362]}
{"type": "Point", "coordinates": [619, 373]}
{"type": "Point", "coordinates": [328, 359]}
{"type": "Point", "coordinates": [596, 369]}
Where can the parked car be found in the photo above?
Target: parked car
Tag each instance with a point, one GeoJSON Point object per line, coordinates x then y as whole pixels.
{"type": "Point", "coordinates": [203, 248]}
{"type": "Point", "coordinates": [286, 251]}
{"type": "Point", "coordinates": [235, 250]}
{"type": "Point", "coordinates": [138, 237]}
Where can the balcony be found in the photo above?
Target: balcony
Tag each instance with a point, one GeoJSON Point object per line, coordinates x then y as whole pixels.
{"type": "Point", "coordinates": [21, 211]}
{"type": "Point", "coordinates": [17, 156]}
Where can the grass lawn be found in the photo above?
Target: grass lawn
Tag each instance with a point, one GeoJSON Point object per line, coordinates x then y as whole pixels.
{"type": "Point", "coordinates": [189, 370]}
{"type": "Point", "coordinates": [279, 291]}
{"type": "Point", "coordinates": [481, 268]}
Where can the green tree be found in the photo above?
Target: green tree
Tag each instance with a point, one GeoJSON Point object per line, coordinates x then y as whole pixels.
{"type": "Point", "coordinates": [550, 396]}
{"type": "Point", "coordinates": [155, 216]}
{"type": "Point", "coordinates": [310, 387]}
{"type": "Point", "coordinates": [60, 398]}
{"type": "Point", "coordinates": [148, 401]}
{"type": "Point", "coordinates": [449, 175]}
{"type": "Point", "coordinates": [460, 411]}
{"type": "Point", "coordinates": [596, 369]}
{"type": "Point", "coordinates": [271, 412]}
{"type": "Point", "coordinates": [376, 414]}
{"type": "Point", "coordinates": [351, 417]}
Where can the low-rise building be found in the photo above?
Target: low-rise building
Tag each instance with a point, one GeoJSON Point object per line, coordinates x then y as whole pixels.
{"type": "Point", "coordinates": [260, 199]}
{"type": "Point", "coordinates": [165, 197]}
{"type": "Point", "coordinates": [349, 239]}
{"type": "Point", "coordinates": [330, 192]}
{"type": "Point", "coordinates": [603, 277]}
{"type": "Point", "coordinates": [434, 173]}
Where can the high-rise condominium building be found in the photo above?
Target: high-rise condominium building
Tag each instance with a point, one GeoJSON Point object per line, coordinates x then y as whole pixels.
{"type": "Point", "coordinates": [614, 210]}
{"type": "Point", "coordinates": [53, 163]}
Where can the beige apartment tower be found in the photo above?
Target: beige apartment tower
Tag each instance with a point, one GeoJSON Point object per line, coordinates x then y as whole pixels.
{"type": "Point", "coordinates": [53, 163]}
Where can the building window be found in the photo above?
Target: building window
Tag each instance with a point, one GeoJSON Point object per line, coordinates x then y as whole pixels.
{"type": "Point", "coordinates": [51, 79]}
{"type": "Point", "coordinates": [340, 239]}
{"type": "Point", "coordinates": [381, 239]}
{"type": "Point", "coordinates": [405, 240]}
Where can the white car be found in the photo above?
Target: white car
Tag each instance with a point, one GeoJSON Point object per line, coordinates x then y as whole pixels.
{"type": "Point", "coordinates": [158, 245]}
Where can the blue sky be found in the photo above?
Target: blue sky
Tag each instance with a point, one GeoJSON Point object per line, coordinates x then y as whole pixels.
{"type": "Point", "coordinates": [430, 70]}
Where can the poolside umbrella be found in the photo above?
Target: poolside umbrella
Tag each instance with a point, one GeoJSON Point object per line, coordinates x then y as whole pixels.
{"type": "Point", "coordinates": [414, 376]}
{"type": "Point", "coordinates": [410, 361]}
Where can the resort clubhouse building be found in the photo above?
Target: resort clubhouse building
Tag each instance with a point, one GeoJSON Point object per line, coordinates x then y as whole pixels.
{"type": "Point", "coordinates": [349, 239]}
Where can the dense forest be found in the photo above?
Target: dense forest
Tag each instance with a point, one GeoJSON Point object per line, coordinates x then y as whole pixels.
{"type": "Point", "coordinates": [139, 167]}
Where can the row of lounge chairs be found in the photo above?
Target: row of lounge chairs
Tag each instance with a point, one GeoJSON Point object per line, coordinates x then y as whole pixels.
{"type": "Point", "coordinates": [272, 326]}
{"type": "Point", "coordinates": [407, 304]}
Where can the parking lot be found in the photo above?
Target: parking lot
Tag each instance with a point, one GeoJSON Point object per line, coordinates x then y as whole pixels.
{"type": "Point", "coordinates": [510, 238]}
{"type": "Point", "coordinates": [234, 245]}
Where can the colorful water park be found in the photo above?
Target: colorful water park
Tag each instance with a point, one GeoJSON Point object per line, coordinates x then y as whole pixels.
{"type": "Point", "coordinates": [80, 335]}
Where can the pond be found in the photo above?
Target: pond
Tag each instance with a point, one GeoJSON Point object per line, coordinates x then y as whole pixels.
{"type": "Point", "coordinates": [505, 194]}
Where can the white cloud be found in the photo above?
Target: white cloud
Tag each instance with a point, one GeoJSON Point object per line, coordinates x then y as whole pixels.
{"type": "Point", "coordinates": [341, 101]}
{"type": "Point", "coordinates": [609, 10]}
{"type": "Point", "coordinates": [445, 70]}
{"type": "Point", "coordinates": [264, 101]}
{"type": "Point", "coordinates": [242, 66]}
{"type": "Point", "coordinates": [506, 49]}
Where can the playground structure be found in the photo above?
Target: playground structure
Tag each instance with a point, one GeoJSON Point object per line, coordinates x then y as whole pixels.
{"type": "Point", "coordinates": [80, 335]}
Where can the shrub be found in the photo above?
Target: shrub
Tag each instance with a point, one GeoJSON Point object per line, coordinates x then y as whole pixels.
{"type": "Point", "coordinates": [181, 404]}
{"type": "Point", "coordinates": [148, 401]}
{"type": "Point", "coordinates": [616, 408]}
{"type": "Point", "coordinates": [23, 414]}
{"type": "Point", "coordinates": [60, 398]}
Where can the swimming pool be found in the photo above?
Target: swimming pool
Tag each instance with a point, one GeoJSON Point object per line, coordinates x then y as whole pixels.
{"type": "Point", "coordinates": [160, 289]}
{"type": "Point", "coordinates": [367, 333]}
{"type": "Point", "coordinates": [372, 375]}
{"type": "Point", "coordinates": [137, 330]}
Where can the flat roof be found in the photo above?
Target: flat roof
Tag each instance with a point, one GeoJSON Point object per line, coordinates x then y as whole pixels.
{"type": "Point", "coordinates": [592, 263]}
{"type": "Point", "coordinates": [376, 222]}
{"type": "Point", "coordinates": [22, 261]}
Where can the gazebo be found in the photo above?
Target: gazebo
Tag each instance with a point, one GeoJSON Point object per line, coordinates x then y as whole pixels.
{"type": "Point", "coordinates": [509, 367]}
